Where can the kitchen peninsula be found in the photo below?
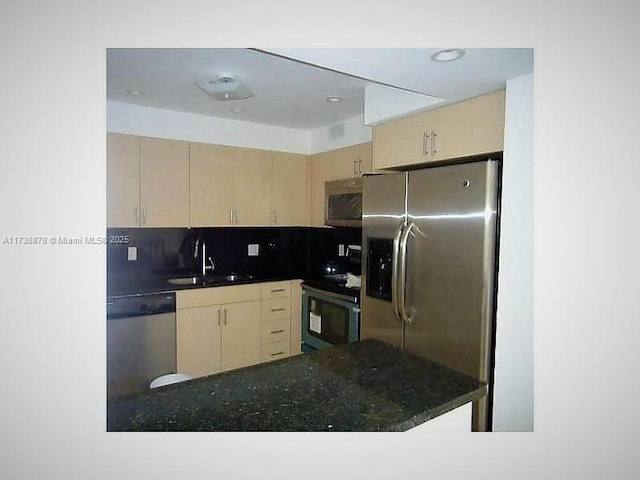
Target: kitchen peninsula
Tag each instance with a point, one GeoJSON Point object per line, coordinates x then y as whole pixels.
{"type": "Point", "coordinates": [364, 386]}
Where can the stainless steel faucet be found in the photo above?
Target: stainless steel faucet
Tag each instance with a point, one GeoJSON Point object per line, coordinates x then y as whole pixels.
{"type": "Point", "coordinates": [206, 267]}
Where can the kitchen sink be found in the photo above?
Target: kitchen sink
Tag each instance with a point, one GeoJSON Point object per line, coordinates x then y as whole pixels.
{"type": "Point", "coordinates": [184, 281]}
{"type": "Point", "coordinates": [209, 279]}
{"type": "Point", "coordinates": [234, 277]}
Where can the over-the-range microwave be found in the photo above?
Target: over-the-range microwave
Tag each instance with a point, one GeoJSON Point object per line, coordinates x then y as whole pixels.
{"type": "Point", "coordinates": [343, 202]}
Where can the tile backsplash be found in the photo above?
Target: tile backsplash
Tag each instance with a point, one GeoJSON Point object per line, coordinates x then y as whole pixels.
{"type": "Point", "coordinates": [264, 251]}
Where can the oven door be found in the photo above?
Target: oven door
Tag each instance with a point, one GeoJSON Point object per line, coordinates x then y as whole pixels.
{"type": "Point", "coordinates": [328, 319]}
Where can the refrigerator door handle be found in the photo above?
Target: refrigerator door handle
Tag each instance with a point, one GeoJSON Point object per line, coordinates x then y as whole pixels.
{"type": "Point", "coordinates": [402, 273]}
{"type": "Point", "coordinates": [395, 267]}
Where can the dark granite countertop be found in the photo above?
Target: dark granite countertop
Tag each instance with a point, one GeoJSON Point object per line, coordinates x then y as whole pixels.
{"type": "Point", "coordinates": [158, 283]}
{"type": "Point", "coordinates": [363, 386]}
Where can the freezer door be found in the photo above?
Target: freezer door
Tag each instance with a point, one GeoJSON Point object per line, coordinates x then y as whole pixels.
{"type": "Point", "coordinates": [383, 214]}
{"type": "Point", "coordinates": [450, 265]}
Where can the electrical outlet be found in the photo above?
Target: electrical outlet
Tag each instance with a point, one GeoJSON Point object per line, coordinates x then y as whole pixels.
{"type": "Point", "coordinates": [132, 254]}
{"type": "Point", "coordinates": [253, 250]}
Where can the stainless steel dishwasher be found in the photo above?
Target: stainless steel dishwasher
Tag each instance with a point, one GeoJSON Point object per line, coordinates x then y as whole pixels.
{"type": "Point", "coordinates": [141, 341]}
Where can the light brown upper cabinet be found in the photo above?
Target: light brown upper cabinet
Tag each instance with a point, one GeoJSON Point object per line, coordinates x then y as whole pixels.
{"type": "Point", "coordinates": [147, 182]}
{"type": "Point", "coordinates": [252, 187]}
{"type": "Point", "coordinates": [229, 186]}
{"type": "Point", "coordinates": [164, 182]}
{"type": "Point", "coordinates": [153, 182]}
{"type": "Point", "coordinates": [290, 179]}
{"type": "Point", "coordinates": [122, 180]}
{"type": "Point", "coordinates": [336, 164]}
{"type": "Point", "coordinates": [211, 184]}
{"type": "Point", "coordinates": [353, 161]}
{"type": "Point", "coordinates": [471, 127]}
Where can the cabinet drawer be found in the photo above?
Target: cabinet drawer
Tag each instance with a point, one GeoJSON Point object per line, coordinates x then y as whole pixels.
{"type": "Point", "coordinates": [274, 351]}
{"type": "Point", "coordinates": [274, 331]}
{"type": "Point", "coordinates": [276, 308]}
{"type": "Point", "coordinates": [202, 297]}
{"type": "Point", "coordinates": [276, 290]}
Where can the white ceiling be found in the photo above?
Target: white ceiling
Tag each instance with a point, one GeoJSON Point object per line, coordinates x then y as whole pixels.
{"type": "Point", "coordinates": [291, 85]}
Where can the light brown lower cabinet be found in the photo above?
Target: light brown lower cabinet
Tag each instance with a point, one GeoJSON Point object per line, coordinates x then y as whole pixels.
{"type": "Point", "coordinates": [224, 328]}
{"type": "Point", "coordinates": [275, 320]}
{"type": "Point", "coordinates": [199, 341]}
{"type": "Point", "coordinates": [217, 329]}
{"type": "Point", "coordinates": [218, 338]}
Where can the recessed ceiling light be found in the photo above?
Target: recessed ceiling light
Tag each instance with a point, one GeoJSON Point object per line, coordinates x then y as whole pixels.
{"type": "Point", "coordinates": [135, 93]}
{"type": "Point", "coordinates": [448, 55]}
{"type": "Point", "coordinates": [334, 99]}
{"type": "Point", "coordinates": [237, 110]}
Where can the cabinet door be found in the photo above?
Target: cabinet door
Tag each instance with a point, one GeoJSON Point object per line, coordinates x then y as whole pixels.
{"type": "Point", "coordinates": [252, 187]}
{"type": "Point", "coordinates": [198, 340]}
{"type": "Point", "coordinates": [240, 334]}
{"type": "Point", "coordinates": [320, 171]}
{"type": "Point", "coordinates": [289, 189]}
{"type": "Point", "coordinates": [164, 182]}
{"type": "Point", "coordinates": [351, 161]}
{"type": "Point", "coordinates": [363, 153]}
{"type": "Point", "coordinates": [122, 180]}
{"type": "Point", "coordinates": [211, 184]}
{"type": "Point", "coordinates": [400, 142]}
{"type": "Point", "coordinates": [344, 164]}
{"type": "Point", "coordinates": [471, 127]}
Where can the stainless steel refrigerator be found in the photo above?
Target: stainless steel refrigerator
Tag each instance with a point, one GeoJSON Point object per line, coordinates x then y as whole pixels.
{"type": "Point", "coordinates": [429, 266]}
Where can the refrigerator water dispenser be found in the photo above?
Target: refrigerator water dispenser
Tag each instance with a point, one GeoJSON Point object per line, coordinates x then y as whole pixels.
{"type": "Point", "coordinates": [379, 267]}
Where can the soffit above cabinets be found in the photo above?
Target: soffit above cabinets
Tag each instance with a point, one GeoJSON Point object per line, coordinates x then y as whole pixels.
{"type": "Point", "coordinates": [291, 86]}
{"type": "Point", "coordinates": [478, 71]}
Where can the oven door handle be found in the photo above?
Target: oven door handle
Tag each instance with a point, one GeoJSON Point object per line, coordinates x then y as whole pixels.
{"type": "Point", "coordinates": [326, 293]}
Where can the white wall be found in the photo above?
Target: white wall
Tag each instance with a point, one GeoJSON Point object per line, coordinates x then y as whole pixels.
{"type": "Point", "coordinates": [383, 103]}
{"type": "Point", "coordinates": [161, 123]}
{"type": "Point", "coordinates": [157, 122]}
{"type": "Point", "coordinates": [352, 131]}
{"type": "Point", "coordinates": [513, 389]}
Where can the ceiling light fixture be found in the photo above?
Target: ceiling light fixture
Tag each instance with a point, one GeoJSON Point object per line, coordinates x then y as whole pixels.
{"type": "Point", "coordinates": [448, 55]}
{"type": "Point", "coordinates": [334, 99]}
{"type": "Point", "coordinates": [237, 110]}
{"type": "Point", "coordinates": [135, 93]}
{"type": "Point", "coordinates": [225, 87]}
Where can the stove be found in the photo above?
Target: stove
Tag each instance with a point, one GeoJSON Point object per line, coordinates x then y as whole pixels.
{"type": "Point", "coordinates": [335, 283]}
{"type": "Point", "coordinates": [330, 312]}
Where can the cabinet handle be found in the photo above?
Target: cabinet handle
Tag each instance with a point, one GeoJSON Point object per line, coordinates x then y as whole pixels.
{"type": "Point", "coordinates": [275, 217]}
{"type": "Point", "coordinates": [277, 309]}
{"type": "Point", "coordinates": [225, 316]}
{"type": "Point", "coordinates": [355, 167]}
{"type": "Point", "coordinates": [277, 353]}
{"type": "Point", "coordinates": [360, 166]}
{"type": "Point", "coordinates": [218, 316]}
{"type": "Point", "coordinates": [425, 144]}
{"type": "Point", "coordinates": [144, 215]}
{"type": "Point", "coordinates": [277, 331]}
{"type": "Point", "coordinates": [277, 290]}
{"type": "Point", "coordinates": [138, 216]}
{"type": "Point", "coordinates": [235, 216]}
{"type": "Point", "coordinates": [231, 216]}
{"type": "Point", "coordinates": [433, 142]}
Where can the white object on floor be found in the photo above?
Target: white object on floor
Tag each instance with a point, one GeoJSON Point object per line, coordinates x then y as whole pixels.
{"type": "Point", "coordinates": [169, 379]}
